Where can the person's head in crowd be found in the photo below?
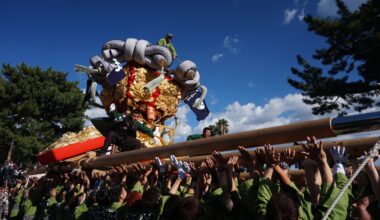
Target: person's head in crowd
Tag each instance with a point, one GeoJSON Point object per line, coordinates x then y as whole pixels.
{"type": "Point", "coordinates": [70, 196]}
{"type": "Point", "coordinates": [361, 186]}
{"type": "Point", "coordinates": [61, 196]}
{"type": "Point", "coordinates": [128, 121]}
{"type": "Point", "coordinates": [151, 199]}
{"type": "Point", "coordinates": [282, 206]}
{"type": "Point", "coordinates": [114, 193]}
{"type": "Point", "coordinates": [103, 198]}
{"type": "Point", "coordinates": [80, 198]}
{"type": "Point", "coordinates": [363, 209]}
{"type": "Point", "coordinates": [92, 196]}
{"type": "Point", "coordinates": [122, 194]}
{"type": "Point", "coordinates": [52, 191]}
{"type": "Point", "coordinates": [190, 209]}
{"type": "Point", "coordinates": [225, 203]}
{"type": "Point", "coordinates": [349, 170]}
{"type": "Point", "coordinates": [171, 205]}
{"type": "Point", "coordinates": [24, 180]}
{"type": "Point", "coordinates": [133, 198]}
{"type": "Point", "coordinates": [206, 132]}
{"type": "Point", "coordinates": [136, 115]}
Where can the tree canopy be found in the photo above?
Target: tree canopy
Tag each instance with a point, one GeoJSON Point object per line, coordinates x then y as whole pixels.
{"type": "Point", "coordinates": [350, 76]}
{"type": "Point", "coordinates": [36, 107]}
{"type": "Point", "coordinates": [220, 127]}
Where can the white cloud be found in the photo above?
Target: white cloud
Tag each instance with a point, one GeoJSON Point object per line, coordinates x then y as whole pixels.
{"type": "Point", "coordinates": [251, 85]}
{"type": "Point", "coordinates": [232, 44]}
{"type": "Point", "coordinates": [216, 57]}
{"type": "Point", "coordinates": [276, 111]}
{"type": "Point", "coordinates": [289, 15]}
{"type": "Point", "coordinates": [328, 7]}
{"type": "Point", "coordinates": [94, 112]}
{"type": "Point", "coordinates": [301, 15]}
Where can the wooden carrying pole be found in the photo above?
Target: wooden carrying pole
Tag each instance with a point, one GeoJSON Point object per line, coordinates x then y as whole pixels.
{"type": "Point", "coordinates": [321, 128]}
{"type": "Point", "coordinates": [354, 147]}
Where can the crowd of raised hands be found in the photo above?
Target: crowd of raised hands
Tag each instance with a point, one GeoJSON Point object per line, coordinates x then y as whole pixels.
{"type": "Point", "coordinates": [258, 184]}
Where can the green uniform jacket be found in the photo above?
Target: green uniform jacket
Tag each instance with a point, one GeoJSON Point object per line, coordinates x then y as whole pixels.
{"type": "Point", "coordinates": [15, 203]}
{"type": "Point", "coordinates": [194, 137]}
{"type": "Point", "coordinates": [267, 188]}
{"type": "Point", "coordinates": [144, 129]}
{"type": "Point", "coordinates": [80, 211]}
{"type": "Point", "coordinates": [329, 193]}
{"type": "Point", "coordinates": [169, 45]}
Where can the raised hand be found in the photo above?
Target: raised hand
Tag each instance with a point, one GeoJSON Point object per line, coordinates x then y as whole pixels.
{"type": "Point", "coordinates": [371, 162]}
{"type": "Point", "coordinates": [186, 167]}
{"type": "Point", "coordinates": [139, 171]}
{"type": "Point", "coordinates": [180, 167]}
{"type": "Point", "coordinates": [181, 173]}
{"type": "Point", "coordinates": [209, 163]}
{"type": "Point", "coordinates": [338, 154]}
{"type": "Point", "coordinates": [288, 156]}
{"type": "Point", "coordinates": [220, 161]}
{"type": "Point", "coordinates": [260, 158]}
{"type": "Point", "coordinates": [314, 150]}
{"type": "Point", "coordinates": [270, 156]}
{"type": "Point", "coordinates": [232, 161]}
{"type": "Point", "coordinates": [124, 168]}
{"type": "Point", "coordinates": [247, 157]}
{"type": "Point", "coordinates": [161, 167]}
{"type": "Point", "coordinates": [174, 160]}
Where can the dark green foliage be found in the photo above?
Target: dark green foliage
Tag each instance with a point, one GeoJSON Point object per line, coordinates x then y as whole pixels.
{"type": "Point", "coordinates": [351, 74]}
{"type": "Point", "coordinates": [36, 107]}
{"type": "Point", "coordinates": [220, 127]}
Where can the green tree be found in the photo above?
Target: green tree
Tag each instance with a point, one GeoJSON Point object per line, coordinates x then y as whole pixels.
{"type": "Point", "coordinates": [36, 107]}
{"type": "Point", "coordinates": [220, 127]}
{"type": "Point", "coordinates": [350, 76]}
{"type": "Point", "coordinates": [214, 130]}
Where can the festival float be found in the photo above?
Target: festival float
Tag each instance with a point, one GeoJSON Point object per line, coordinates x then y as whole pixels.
{"type": "Point", "coordinates": [135, 75]}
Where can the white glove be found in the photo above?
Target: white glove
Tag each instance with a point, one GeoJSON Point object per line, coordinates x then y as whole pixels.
{"type": "Point", "coordinates": [338, 155]}
{"type": "Point", "coordinates": [174, 160]}
{"type": "Point", "coordinates": [186, 167]}
{"type": "Point", "coordinates": [181, 173]}
{"type": "Point", "coordinates": [181, 167]}
{"type": "Point", "coordinates": [159, 164]}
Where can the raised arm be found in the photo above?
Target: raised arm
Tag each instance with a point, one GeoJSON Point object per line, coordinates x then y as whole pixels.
{"type": "Point", "coordinates": [314, 151]}
{"type": "Point", "coordinates": [373, 175]}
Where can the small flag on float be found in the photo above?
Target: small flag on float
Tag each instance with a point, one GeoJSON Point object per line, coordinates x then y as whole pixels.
{"type": "Point", "coordinates": [201, 111]}
{"type": "Point", "coordinates": [116, 74]}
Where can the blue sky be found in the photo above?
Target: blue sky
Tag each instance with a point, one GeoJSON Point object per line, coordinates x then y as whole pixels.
{"type": "Point", "coordinates": [243, 48]}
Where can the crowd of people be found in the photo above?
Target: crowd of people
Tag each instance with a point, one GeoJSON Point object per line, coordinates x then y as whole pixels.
{"type": "Point", "coordinates": [248, 186]}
